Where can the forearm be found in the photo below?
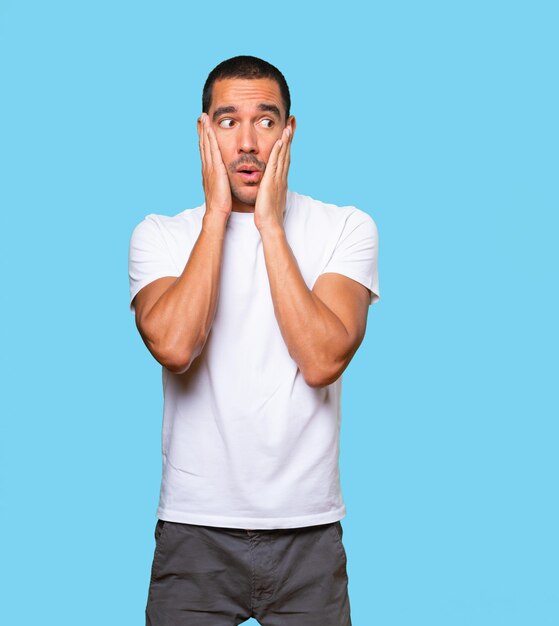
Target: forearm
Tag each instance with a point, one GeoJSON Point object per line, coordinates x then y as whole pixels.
{"type": "Point", "coordinates": [177, 325]}
{"type": "Point", "coordinates": [315, 337]}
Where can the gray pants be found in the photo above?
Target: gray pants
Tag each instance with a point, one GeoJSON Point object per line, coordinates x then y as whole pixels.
{"type": "Point", "coordinates": [213, 576]}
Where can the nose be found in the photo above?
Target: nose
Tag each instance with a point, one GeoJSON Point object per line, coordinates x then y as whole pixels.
{"type": "Point", "coordinates": [248, 141]}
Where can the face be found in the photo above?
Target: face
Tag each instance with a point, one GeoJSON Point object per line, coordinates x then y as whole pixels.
{"type": "Point", "coordinates": [248, 117]}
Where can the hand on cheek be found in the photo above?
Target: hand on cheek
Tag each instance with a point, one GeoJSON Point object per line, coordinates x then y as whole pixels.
{"type": "Point", "coordinates": [214, 174]}
{"type": "Point", "coordinates": [272, 193]}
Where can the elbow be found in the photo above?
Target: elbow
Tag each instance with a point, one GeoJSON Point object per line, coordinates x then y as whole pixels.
{"type": "Point", "coordinates": [175, 364]}
{"type": "Point", "coordinates": [175, 360]}
{"type": "Point", "coordinates": [172, 357]}
{"type": "Point", "coordinates": [325, 370]}
{"type": "Point", "coordinates": [178, 361]}
{"type": "Point", "coordinates": [318, 377]}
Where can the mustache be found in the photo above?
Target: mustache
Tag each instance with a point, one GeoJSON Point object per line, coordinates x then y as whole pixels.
{"type": "Point", "coordinates": [247, 159]}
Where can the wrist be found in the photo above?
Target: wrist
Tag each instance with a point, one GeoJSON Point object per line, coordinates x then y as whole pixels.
{"type": "Point", "coordinates": [271, 230]}
{"type": "Point", "coordinates": [215, 222]}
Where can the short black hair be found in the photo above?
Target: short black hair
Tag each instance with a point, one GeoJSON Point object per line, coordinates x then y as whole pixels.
{"type": "Point", "coordinates": [245, 67]}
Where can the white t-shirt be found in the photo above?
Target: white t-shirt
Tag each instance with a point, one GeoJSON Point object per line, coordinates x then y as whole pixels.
{"type": "Point", "coordinates": [246, 443]}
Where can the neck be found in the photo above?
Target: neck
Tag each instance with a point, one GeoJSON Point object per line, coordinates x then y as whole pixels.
{"type": "Point", "coordinates": [242, 207]}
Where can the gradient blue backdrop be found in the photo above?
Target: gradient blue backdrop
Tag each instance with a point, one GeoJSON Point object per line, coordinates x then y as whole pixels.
{"type": "Point", "coordinates": [437, 118]}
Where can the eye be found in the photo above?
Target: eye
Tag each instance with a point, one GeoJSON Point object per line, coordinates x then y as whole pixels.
{"type": "Point", "coordinates": [267, 122]}
{"type": "Point", "coordinates": [226, 123]}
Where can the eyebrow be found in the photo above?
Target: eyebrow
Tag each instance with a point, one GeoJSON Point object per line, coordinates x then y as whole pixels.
{"type": "Point", "coordinates": [221, 110]}
{"type": "Point", "coordinates": [270, 108]}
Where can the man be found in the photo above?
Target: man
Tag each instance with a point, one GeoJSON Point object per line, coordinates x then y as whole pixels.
{"type": "Point", "coordinates": [254, 303]}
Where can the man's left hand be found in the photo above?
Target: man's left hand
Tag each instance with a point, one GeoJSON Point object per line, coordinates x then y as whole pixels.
{"type": "Point", "coordinates": [272, 194]}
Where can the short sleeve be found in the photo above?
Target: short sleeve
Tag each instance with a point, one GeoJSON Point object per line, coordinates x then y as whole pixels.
{"type": "Point", "coordinates": [148, 256]}
{"type": "Point", "coordinates": [356, 252]}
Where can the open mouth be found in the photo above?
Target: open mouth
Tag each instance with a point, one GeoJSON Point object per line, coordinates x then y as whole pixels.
{"type": "Point", "coordinates": [249, 174]}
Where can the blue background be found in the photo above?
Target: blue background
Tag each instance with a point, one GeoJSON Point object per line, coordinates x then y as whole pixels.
{"type": "Point", "coordinates": [437, 118]}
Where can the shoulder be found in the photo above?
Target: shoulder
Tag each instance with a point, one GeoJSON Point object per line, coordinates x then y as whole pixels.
{"type": "Point", "coordinates": [328, 214]}
{"type": "Point", "coordinates": [159, 225]}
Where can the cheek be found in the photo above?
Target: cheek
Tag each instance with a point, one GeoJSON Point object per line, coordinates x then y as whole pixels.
{"type": "Point", "coordinates": [267, 146]}
{"type": "Point", "coordinates": [226, 147]}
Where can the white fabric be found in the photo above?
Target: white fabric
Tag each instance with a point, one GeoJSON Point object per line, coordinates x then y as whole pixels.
{"type": "Point", "coordinates": [246, 443]}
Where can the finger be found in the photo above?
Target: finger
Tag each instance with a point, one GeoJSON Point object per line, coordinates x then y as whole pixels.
{"type": "Point", "coordinates": [288, 156]}
{"type": "Point", "coordinates": [201, 133]}
{"type": "Point", "coordinates": [214, 148]}
{"type": "Point", "coordinates": [204, 142]}
{"type": "Point", "coordinates": [284, 154]}
{"type": "Point", "coordinates": [207, 146]}
{"type": "Point", "coordinates": [272, 165]}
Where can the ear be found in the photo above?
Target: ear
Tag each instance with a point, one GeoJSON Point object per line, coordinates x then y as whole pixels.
{"type": "Point", "coordinates": [291, 121]}
{"type": "Point", "coordinates": [199, 124]}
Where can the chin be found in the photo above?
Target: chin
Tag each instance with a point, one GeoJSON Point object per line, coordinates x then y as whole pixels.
{"type": "Point", "coordinates": [246, 195]}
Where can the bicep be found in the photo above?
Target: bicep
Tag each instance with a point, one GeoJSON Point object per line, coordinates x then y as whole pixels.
{"type": "Point", "coordinates": [148, 296]}
{"type": "Point", "coordinates": [348, 300]}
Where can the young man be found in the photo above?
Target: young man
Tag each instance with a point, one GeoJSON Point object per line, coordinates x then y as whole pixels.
{"type": "Point", "coordinates": [254, 303]}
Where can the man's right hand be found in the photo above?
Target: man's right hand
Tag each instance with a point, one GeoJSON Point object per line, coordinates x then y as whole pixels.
{"type": "Point", "coordinates": [214, 174]}
{"type": "Point", "coordinates": [175, 314]}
